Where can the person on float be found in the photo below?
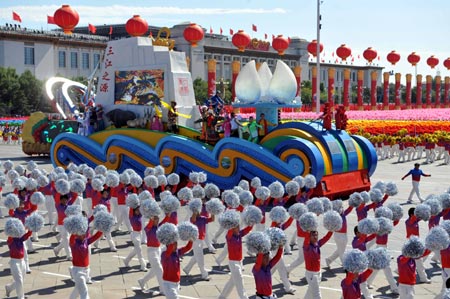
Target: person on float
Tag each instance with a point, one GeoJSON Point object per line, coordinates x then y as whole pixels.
{"type": "Point", "coordinates": [263, 130]}
{"type": "Point", "coordinates": [252, 128]}
{"type": "Point", "coordinates": [415, 173]}
{"type": "Point", "coordinates": [262, 273]}
{"type": "Point", "coordinates": [172, 118]}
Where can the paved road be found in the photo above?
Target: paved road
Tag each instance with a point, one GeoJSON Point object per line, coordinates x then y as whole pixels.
{"type": "Point", "coordinates": [49, 277]}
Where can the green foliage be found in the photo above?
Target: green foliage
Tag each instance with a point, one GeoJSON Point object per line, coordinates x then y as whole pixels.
{"type": "Point", "coordinates": [200, 91]}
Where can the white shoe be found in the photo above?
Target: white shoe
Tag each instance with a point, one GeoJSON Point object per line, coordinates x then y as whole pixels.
{"type": "Point", "coordinates": [141, 284]}
{"type": "Point", "coordinates": [55, 252]}
{"type": "Point", "coordinates": [328, 262]}
{"type": "Point", "coordinates": [126, 262]}
{"type": "Point", "coordinates": [291, 291]}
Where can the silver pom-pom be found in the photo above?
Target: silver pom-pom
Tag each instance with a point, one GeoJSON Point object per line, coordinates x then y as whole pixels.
{"type": "Point", "coordinates": [76, 225]}
{"type": "Point", "coordinates": [150, 208]}
{"type": "Point", "coordinates": [112, 179]}
{"type": "Point", "coordinates": [255, 182]}
{"type": "Point", "coordinates": [397, 210]}
{"type": "Point", "coordinates": [52, 176]}
{"type": "Point", "coordinates": [149, 171]}
{"type": "Point", "coordinates": [214, 206]}
{"type": "Point", "coordinates": [62, 176]}
{"type": "Point", "coordinates": [368, 226]}
{"type": "Point", "coordinates": [378, 258]}
{"type": "Point", "coordinates": [35, 173]}
{"type": "Point", "coordinates": [37, 198]}
{"type": "Point", "coordinates": [391, 189]}
{"type": "Point", "coordinates": [262, 193]}
{"type": "Point", "coordinates": [31, 165]}
{"type": "Point", "coordinates": [292, 188]}
{"type": "Point", "coordinates": [446, 225]}
{"type": "Point", "coordinates": [445, 200]}
{"type": "Point", "coordinates": [162, 180]}
{"type": "Point", "coordinates": [202, 177]}
{"type": "Point", "coordinates": [309, 222]}
{"type": "Point", "coordinates": [151, 181]}
{"type": "Point", "coordinates": [12, 201]}
{"type": "Point", "coordinates": [187, 231]}
{"type": "Point", "coordinates": [315, 206]}
{"type": "Point", "coordinates": [310, 181]}
{"type": "Point", "coordinates": [8, 165]}
{"type": "Point", "coordinates": [100, 208]}
{"type": "Point", "coordinates": [245, 198]}
{"type": "Point", "coordinates": [124, 178]}
{"type": "Point", "coordinates": [300, 181]}
{"type": "Point", "coordinates": [384, 212]}
{"type": "Point", "coordinates": [195, 205]}
{"type": "Point", "coordinates": [337, 205]}
{"type": "Point", "coordinates": [130, 172]}
{"type": "Point", "coordinates": [42, 181]}
{"type": "Point", "coordinates": [435, 205]}
{"type": "Point", "coordinates": [231, 199]}
{"type": "Point", "coordinates": [132, 201]}
{"type": "Point", "coordinates": [376, 195]}
{"type": "Point", "coordinates": [423, 212]}
{"type": "Point", "coordinates": [365, 196]}
{"type": "Point", "coordinates": [73, 210]}
{"type": "Point", "coordinates": [18, 184]}
{"type": "Point", "coordinates": [3, 180]}
{"type": "Point", "coordinates": [31, 184]}
{"type": "Point", "coordinates": [332, 221]}
{"type": "Point", "coordinates": [276, 190]}
{"type": "Point", "coordinates": [159, 170]}
{"type": "Point", "coordinates": [14, 228]}
{"type": "Point", "coordinates": [437, 239]}
{"type": "Point", "coordinates": [198, 191]}
{"type": "Point", "coordinates": [326, 203]}
{"type": "Point", "coordinates": [164, 194]}
{"type": "Point", "coordinates": [145, 195]}
{"type": "Point", "coordinates": [167, 233]}
{"type": "Point", "coordinates": [185, 194]}
{"type": "Point", "coordinates": [101, 169]}
{"type": "Point", "coordinates": [211, 190]}
{"type": "Point", "coordinates": [229, 219]}
{"type": "Point", "coordinates": [258, 242]}
{"type": "Point", "coordinates": [380, 185]}
{"type": "Point", "coordinates": [170, 204]}
{"type": "Point", "coordinates": [252, 215]}
{"type": "Point", "coordinates": [237, 190]}
{"type": "Point", "coordinates": [97, 185]}
{"type": "Point", "coordinates": [81, 167]}
{"type": "Point", "coordinates": [136, 181]}
{"type": "Point", "coordinates": [385, 226]}
{"type": "Point", "coordinates": [193, 177]}
{"type": "Point", "coordinates": [278, 214]}
{"type": "Point", "coordinates": [20, 169]}
{"type": "Point", "coordinates": [89, 172]}
{"type": "Point", "coordinates": [62, 187]}
{"type": "Point", "coordinates": [173, 179]}
{"type": "Point", "coordinates": [100, 177]}
{"type": "Point", "coordinates": [297, 210]}
{"type": "Point", "coordinates": [72, 167]}
{"type": "Point", "coordinates": [244, 185]}
{"type": "Point", "coordinates": [413, 248]}
{"type": "Point", "coordinates": [103, 221]}
{"type": "Point", "coordinates": [34, 222]}
{"type": "Point", "coordinates": [277, 237]}
{"type": "Point", "coordinates": [355, 261]}
{"type": "Point", "coordinates": [12, 175]}
{"type": "Point", "coordinates": [355, 200]}
{"type": "Point", "coordinates": [77, 186]}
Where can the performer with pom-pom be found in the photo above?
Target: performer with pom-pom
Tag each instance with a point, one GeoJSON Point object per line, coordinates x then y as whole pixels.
{"type": "Point", "coordinates": [105, 200]}
{"type": "Point", "coordinates": [296, 211]}
{"type": "Point", "coordinates": [121, 192]}
{"type": "Point", "coordinates": [351, 284]}
{"type": "Point", "coordinates": [64, 202]}
{"type": "Point", "coordinates": [445, 260]}
{"type": "Point", "coordinates": [47, 188]}
{"type": "Point", "coordinates": [262, 194]}
{"type": "Point", "coordinates": [415, 173]}
{"type": "Point", "coordinates": [136, 223]}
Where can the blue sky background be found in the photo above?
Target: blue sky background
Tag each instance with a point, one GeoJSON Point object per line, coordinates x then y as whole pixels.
{"type": "Point", "coordinates": [401, 25]}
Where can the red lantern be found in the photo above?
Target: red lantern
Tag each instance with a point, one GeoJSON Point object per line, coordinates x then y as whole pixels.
{"type": "Point", "coordinates": [136, 26]}
{"type": "Point", "coordinates": [343, 52]}
{"type": "Point", "coordinates": [241, 40]}
{"type": "Point", "coordinates": [413, 58]}
{"type": "Point", "coordinates": [393, 57]}
{"type": "Point", "coordinates": [312, 48]}
{"type": "Point", "coordinates": [370, 54]}
{"type": "Point", "coordinates": [280, 44]}
{"type": "Point", "coordinates": [447, 63]}
{"type": "Point", "coordinates": [193, 34]}
{"type": "Point", "coordinates": [432, 61]}
{"type": "Point", "coordinates": [66, 18]}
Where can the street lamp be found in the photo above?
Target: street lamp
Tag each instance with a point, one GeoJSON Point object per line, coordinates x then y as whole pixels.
{"type": "Point", "coordinates": [318, 57]}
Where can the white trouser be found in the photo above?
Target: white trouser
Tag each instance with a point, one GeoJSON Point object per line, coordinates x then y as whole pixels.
{"type": "Point", "coordinates": [154, 258]}
{"type": "Point", "coordinates": [313, 279]}
{"type": "Point", "coordinates": [365, 290]}
{"type": "Point", "coordinates": [79, 201]}
{"type": "Point", "coordinates": [171, 289]}
{"type": "Point", "coordinates": [300, 258]}
{"type": "Point", "coordinates": [440, 152]}
{"type": "Point", "coordinates": [260, 227]}
{"type": "Point", "coordinates": [207, 240]}
{"type": "Point", "coordinates": [137, 250]}
{"type": "Point", "coordinates": [114, 208]}
{"type": "Point", "coordinates": [197, 258]}
{"type": "Point", "coordinates": [108, 237]}
{"type": "Point", "coordinates": [235, 280]}
{"type": "Point", "coordinates": [281, 267]}
{"type": "Point", "coordinates": [415, 189]}
{"type": "Point", "coordinates": [219, 232]}
{"type": "Point", "coordinates": [341, 244]}
{"type": "Point", "coordinates": [143, 233]}
{"type": "Point", "coordinates": [18, 271]}
{"type": "Point", "coordinates": [406, 291]}
{"type": "Point", "coordinates": [88, 206]}
{"type": "Point", "coordinates": [446, 157]}
{"type": "Point", "coordinates": [28, 247]}
{"type": "Point", "coordinates": [419, 151]}
{"type": "Point", "coordinates": [223, 254]}
{"type": "Point", "coordinates": [63, 242]}
{"type": "Point", "coordinates": [80, 277]}
{"type": "Point", "coordinates": [421, 270]}
{"type": "Point", "coordinates": [401, 155]}
{"type": "Point", "coordinates": [51, 210]}
{"type": "Point", "coordinates": [123, 217]}
{"type": "Point", "coordinates": [387, 273]}
{"type": "Point", "coordinates": [410, 152]}
{"type": "Point", "coordinates": [445, 276]}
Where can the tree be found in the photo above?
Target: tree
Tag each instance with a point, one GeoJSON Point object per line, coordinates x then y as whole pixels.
{"type": "Point", "coordinates": [200, 91]}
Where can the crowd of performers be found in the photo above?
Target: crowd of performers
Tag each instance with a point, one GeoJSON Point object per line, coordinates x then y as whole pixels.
{"type": "Point", "coordinates": [83, 204]}
{"type": "Point", "coordinates": [11, 134]}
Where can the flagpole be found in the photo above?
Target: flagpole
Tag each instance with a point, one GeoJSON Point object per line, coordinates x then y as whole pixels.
{"type": "Point", "coordinates": [318, 59]}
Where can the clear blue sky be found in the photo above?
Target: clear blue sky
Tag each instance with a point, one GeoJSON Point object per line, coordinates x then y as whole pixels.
{"type": "Point", "coordinates": [401, 25]}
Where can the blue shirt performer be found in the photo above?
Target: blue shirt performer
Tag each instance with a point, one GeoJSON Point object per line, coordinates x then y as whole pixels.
{"type": "Point", "coordinates": [416, 173]}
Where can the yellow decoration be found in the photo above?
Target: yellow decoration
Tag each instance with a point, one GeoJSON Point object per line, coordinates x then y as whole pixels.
{"type": "Point", "coordinates": [164, 41]}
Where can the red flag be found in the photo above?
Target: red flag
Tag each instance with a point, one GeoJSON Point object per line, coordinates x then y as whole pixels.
{"type": "Point", "coordinates": [110, 30]}
{"type": "Point", "coordinates": [332, 54]}
{"type": "Point", "coordinates": [254, 28]}
{"type": "Point", "coordinates": [50, 20]}
{"type": "Point", "coordinates": [221, 31]}
{"type": "Point", "coordinates": [92, 28]}
{"type": "Point", "coordinates": [353, 59]}
{"type": "Point", "coordinates": [289, 40]}
{"type": "Point", "coordinates": [359, 56]}
{"type": "Point", "coordinates": [151, 34]}
{"type": "Point", "coordinates": [231, 31]}
{"type": "Point", "coordinates": [378, 57]}
{"type": "Point", "coordinates": [16, 17]}
{"type": "Point", "coordinates": [265, 35]}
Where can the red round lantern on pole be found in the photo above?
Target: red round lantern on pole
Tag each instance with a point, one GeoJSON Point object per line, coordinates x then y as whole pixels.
{"type": "Point", "coordinates": [67, 18]}
{"type": "Point", "coordinates": [312, 48]}
{"type": "Point", "coordinates": [432, 61]}
{"type": "Point", "coordinates": [136, 26]}
{"type": "Point", "coordinates": [343, 52]}
{"type": "Point", "coordinates": [280, 44]}
{"type": "Point", "coordinates": [241, 40]}
{"type": "Point", "coordinates": [393, 57]}
{"type": "Point", "coordinates": [193, 34]}
{"type": "Point", "coordinates": [413, 58]}
{"type": "Point", "coordinates": [370, 54]}
{"type": "Point", "coordinates": [447, 63]}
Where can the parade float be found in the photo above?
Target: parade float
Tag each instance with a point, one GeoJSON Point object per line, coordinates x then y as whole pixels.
{"type": "Point", "coordinates": [139, 78]}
